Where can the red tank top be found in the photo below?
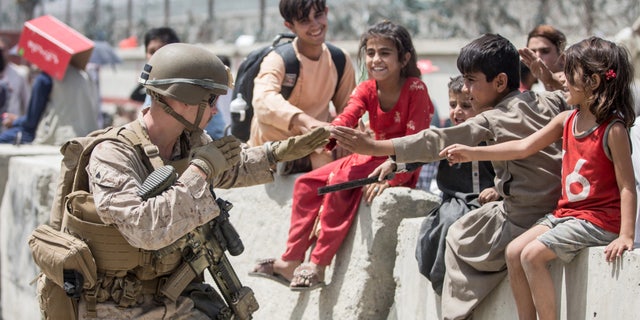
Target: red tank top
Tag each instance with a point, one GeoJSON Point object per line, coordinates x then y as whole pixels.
{"type": "Point", "coordinates": [589, 188]}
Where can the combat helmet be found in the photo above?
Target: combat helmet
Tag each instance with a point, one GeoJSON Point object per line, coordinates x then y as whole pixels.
{"type": "Point", "coordinates": [187, 73]}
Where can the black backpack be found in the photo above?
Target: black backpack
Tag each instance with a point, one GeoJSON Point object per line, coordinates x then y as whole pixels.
{"type": "Point", "coordinates": [248, 71]}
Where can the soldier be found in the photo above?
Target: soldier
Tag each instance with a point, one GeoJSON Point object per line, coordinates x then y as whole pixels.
{"type": "Point", "coordinates": [184, 81]}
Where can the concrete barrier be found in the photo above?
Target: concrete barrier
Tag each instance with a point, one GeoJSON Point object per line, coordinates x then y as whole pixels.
{"type": "Point", "coordinates": [12, 233]}
{"type": "Point", "coordinates": [7, 151]}
{"type": "Point", "coordinates": [26, 204]}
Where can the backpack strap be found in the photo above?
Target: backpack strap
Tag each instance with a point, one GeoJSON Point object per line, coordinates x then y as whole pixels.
{"type": "Point", "coordinates": [291, 68]}
{"type": "Point", "coordinates": [339, 60]}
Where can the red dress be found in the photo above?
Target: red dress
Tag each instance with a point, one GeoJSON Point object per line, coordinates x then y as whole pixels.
{"type": "Point", "coordinates": [589, 187]}
{"type": "Point", "coordinates": [412, 113]}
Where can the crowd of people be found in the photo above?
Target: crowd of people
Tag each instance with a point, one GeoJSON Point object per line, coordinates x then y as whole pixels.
{"type": "Point", "coordinates": [537, 158]}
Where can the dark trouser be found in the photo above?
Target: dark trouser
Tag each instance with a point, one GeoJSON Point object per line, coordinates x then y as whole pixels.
{"type": "Point", "coordinates": [431, 240]}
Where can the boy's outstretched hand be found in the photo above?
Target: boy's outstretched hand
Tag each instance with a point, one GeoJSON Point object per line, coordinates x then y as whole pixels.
{"type": "Point", "coordinates": [616, 248]}
{"type": "Point", "coordinates": [456, 153]}
{"type": "Point", "coordinates": [353, 140]}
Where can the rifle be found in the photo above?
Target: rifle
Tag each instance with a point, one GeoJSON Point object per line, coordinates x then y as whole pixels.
{"type": "Point", "coordinates": [204, 248]}
{"type": "Point", "coordinates": [365, 181]}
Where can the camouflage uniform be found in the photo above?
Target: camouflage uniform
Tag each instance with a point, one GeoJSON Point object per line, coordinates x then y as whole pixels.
{"type": "Point", "coordinates": [116, 172]}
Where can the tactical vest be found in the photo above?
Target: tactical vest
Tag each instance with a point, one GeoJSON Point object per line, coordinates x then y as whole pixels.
{"type": "Point", "coordinates": [124, 273]}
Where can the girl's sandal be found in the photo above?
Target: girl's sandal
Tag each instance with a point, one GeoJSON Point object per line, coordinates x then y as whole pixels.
{"type": "Point", "coordinates": [305, 278]}
{"type": "Point", "coordinates": [264, 269]}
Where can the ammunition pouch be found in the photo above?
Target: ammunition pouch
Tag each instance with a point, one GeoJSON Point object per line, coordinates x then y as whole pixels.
{"type": "Point", "coordinates": [127, 291]}
{"type": "Point", "coordinates": [54, 251]}
{"type": "Point", "coordinates": [54, 303]}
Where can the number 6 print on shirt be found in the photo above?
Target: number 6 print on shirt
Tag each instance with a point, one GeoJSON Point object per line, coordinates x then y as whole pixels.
{"type": "Point", "coordinates": [576, 178]}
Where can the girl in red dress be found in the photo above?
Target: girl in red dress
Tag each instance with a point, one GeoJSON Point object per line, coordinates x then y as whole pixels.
{"type": "Point", "coordinates": [398, 104]}
{"type": "Point", "coordinates": [598, 202]}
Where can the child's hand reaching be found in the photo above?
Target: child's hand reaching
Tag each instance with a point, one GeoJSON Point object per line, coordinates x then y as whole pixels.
{"type": "Point", "coordinates": [488, 195]}
{"type": "Point", "coordinates": [457, 153]}
{"type": "Point", "coordinates": [616, 248]}
{"type": "Point", "coordinates": [353, 140]}
{"type": "Point", "coordinates": [383, 170]}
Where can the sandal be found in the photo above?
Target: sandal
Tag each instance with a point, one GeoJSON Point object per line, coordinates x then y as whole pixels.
{"type": "Point", "coordinates": [305, 278]}
{"type": "Point", "coordinates": [264, 269]}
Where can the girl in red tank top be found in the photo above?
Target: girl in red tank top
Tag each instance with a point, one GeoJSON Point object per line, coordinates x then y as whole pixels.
{"type": "Point", "coordinates": [598, 202]}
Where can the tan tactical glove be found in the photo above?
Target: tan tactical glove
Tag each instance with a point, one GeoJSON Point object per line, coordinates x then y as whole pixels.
{"type": "Point", "coordinates": [299, 146]}
{"type": "Point", "coordinates": [217, 156]}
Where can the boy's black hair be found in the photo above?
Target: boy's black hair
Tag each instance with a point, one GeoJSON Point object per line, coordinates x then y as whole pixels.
{"type": "Point", "coordinates": [164, 34]}
{"type": "Point", "coordinates": [297, 10]}
{"type": "Point", "coordinates": [491, 54]}
{"type": "Point", "coordinates": [455, 84]}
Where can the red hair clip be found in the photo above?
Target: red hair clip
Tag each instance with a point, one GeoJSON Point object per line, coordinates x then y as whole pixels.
{"type": "Point", "coordinates": [610, 75]}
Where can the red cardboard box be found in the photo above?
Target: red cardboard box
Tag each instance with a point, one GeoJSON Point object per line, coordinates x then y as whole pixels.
{"type": "Point", "coordinates": [52, 45]}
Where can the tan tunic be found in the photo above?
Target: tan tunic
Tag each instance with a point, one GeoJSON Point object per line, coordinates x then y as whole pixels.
{"type": "Point", "coordinates": [530, 188]}
{"type": "Point", "coordinates": [116, 172]}
{"type": "Point", "coordinates": [312, 93]}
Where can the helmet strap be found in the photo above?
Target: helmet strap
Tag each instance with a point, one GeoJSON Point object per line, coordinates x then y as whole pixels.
{"type": "Point", "coordinates": [191, 127]}
{"type": "Point", "coordinates": [201, 108]}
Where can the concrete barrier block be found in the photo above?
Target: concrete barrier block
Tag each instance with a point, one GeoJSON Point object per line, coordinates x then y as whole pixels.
{"type": "Point", "coordinates": [597, 289]}
{"type": "Point", "coordinates": [31, 185]}
{"type": "Point", "coordinates": [7, 151]}
{"type": "Point", "coordinates": [414, 298]}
